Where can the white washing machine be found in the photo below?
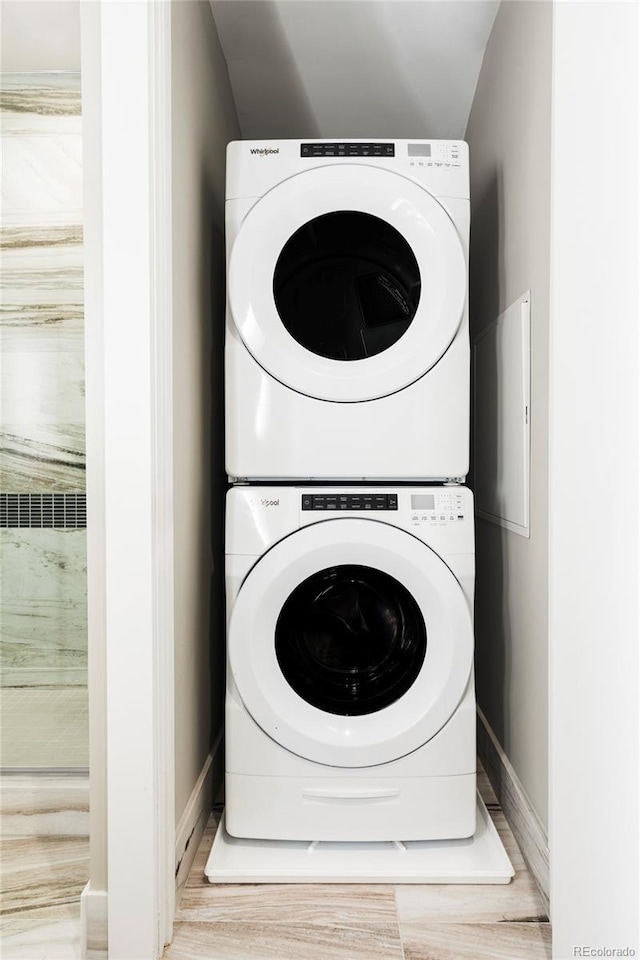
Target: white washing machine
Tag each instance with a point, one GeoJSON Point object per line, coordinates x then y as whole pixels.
{"type": "Point", "coordinates": [347, 343]}
{"type": "Point", "coordinates": [350, 706]}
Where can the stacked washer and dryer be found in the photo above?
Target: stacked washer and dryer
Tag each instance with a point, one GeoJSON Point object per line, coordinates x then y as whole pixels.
{"type": "Point", "coordinates": [350, 704]}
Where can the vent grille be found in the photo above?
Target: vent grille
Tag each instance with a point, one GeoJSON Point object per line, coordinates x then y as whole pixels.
{"type": "Point", "coordinates": [41, 510]}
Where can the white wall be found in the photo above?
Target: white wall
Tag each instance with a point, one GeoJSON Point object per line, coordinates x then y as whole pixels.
{"type": "Point", "coordinates": [594, 482]}
{"type": "Point", "coordinates": [509, 141]}
{"type": "Point", "coordinates": [203, 121]}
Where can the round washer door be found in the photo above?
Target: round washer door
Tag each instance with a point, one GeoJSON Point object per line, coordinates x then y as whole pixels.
{"type": "Point", "coordinates": [347, 283]}
{"type": "Point", "coordinates": [351, 643]}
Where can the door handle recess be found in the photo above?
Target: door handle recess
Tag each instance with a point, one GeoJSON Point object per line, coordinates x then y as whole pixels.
{"type": "Point", "coordinates": [324, 793]}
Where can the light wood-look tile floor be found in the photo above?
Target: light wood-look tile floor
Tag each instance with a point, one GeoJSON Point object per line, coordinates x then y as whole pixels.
{"type": "Point", "coordinates": [363, 922]}
{"type": "Point", "coordinates": [41, 879]}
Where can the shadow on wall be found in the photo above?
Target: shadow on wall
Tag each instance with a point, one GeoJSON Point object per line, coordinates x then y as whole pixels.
{"type": "Point", "coordinates": [271, 93]}
{"type": "Point", "coordinates": [491, 614]}
{"type": "Point", "coordinates": [342, 52]}
{"type": "Point", "coordinates": [212, 272]}
{"type": "Point", "coordinates": [200, 487]}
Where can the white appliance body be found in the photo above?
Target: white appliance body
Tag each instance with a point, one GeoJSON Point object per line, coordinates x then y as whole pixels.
{"type": "Point", "coordinates": [350, 704]}
{"type": "Point", "coordinates": [347, 333]}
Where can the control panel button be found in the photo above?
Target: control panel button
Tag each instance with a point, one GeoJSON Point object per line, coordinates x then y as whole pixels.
{"type": "Point", "coordinates": [350, 501]}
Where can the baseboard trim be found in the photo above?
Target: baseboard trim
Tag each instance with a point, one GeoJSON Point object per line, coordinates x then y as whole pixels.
{"type": "Point", "coordinates": [94, 924]}
{"type": "Point", "coordinates": [196, 813]}
{"type": "Point", "coordinates": [516, 806]}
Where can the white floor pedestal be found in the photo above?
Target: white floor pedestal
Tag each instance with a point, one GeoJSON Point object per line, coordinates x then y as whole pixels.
{"type": "Point", "coordinates": [480, 859]}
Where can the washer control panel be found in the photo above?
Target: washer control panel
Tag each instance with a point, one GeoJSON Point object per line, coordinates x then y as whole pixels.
{"type": "Point", "coordinates": [440, 515]}
{"type": "Point", "coordinates": [259, 516]}
{"type": "Point", "coordinates": [350, 501]}
{"type": "Point", "coordinates": [442, 506]}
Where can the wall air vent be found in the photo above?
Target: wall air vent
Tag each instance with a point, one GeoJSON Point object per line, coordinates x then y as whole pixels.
{"type": "Point", "coordinates": [32, 510]}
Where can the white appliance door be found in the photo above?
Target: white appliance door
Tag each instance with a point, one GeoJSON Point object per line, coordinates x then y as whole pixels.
{"type": "Point", "coordinates": [351, 643]}
{"type": "Point", "coordinates": [347, 282]}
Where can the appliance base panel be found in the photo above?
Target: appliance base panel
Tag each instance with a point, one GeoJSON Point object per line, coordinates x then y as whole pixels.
{"type": "Point", "coordinates": [481, 859]}
{"type": "Point", "coordinates": [363, 809]}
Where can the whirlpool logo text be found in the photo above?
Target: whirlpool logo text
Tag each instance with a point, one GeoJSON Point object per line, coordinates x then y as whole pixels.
{"type": "Point", "coordinates": [265, 151]}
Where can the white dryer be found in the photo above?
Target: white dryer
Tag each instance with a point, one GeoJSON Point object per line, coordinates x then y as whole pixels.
{"type": "Point", "coordinates": [347, 343]}
{"type": "Point", "coordinates": [350, 705]}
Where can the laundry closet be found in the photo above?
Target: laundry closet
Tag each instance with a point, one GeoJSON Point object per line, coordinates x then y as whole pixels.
{"type": "Point", "coordinates": [309, 71]}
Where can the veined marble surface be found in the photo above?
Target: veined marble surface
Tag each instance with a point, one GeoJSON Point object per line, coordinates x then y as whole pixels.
{"type": "Point", "coordinates": [55, 94]}
{"type": "Point", "coordinates": [41, 149]}
{"type": "Point", "coordinates": [42, 360]}
{"type": "Point", "coordinates": [42, 178]}
{"type": "Point", "coordinates": [44, 805]}
{"type": "Point", "coordinates": [31, 937]}
{"type": "Point", "coordinates": [41, 297]}
{"type": "Point", "coordinates": [51, 458]}
{"type": "Point", "coordinates": [33, 867]}
{"type": "Point", "coordinates": [43, 621]}
{"type": "Point", "coordinates": [43, 606]}
{"type": "Point", "coordinates": [42, 287]}
{"type": "Point", "coordinates": [284, 941]}
{"type": "Point", "coordinates": [42, 387]}
{"type": "Point", "coordinates": [42, 879]}
{"type": "Point", "coordinates": [477, 941]}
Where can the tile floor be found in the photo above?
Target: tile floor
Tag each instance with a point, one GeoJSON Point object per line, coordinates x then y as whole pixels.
{"type": "Point", "coordinates": [42, 879]}
{"type": "Point", "coordinates": [358, 922]}
{"type": "Point", "coordinates": [41, 882]}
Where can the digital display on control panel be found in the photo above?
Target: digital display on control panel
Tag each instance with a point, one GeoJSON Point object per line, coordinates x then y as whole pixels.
{"type": "Point", "coordinates": [309, 150]}
{"type": "Point", "coordinates": [419, 149]}
{"type": "Point", "coordinates": [349, 501]}
{"type": "Point", "coordinates": [423, 501]}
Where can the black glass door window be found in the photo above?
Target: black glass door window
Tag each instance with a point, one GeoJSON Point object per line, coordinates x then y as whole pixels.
{"type": "Point", "coordinates": [350, 640]}
{"type": "Point", "coordinates": [346, 285]}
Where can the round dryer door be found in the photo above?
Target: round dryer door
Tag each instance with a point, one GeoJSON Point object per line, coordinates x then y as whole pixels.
{"type": "Point", "coordinates": [347, 282]}
{"type": "Point", "coordinates": [351, 643]}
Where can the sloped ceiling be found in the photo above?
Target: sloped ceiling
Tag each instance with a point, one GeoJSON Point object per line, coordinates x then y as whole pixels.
{"type": "Point", "coordinates": [354, 68]}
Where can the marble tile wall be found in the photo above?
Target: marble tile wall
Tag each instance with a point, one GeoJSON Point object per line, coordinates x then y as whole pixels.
{"type": "Point", "coordinates": [41, 292]}
{"type": "Point", "coordinates": [40, 120]}
{"type": "Point", "coordinates": [42, 366]}
{"type": "Point", "coordinates": [44, 610]}
{"type": "Point", "coordinates": [43, 624]}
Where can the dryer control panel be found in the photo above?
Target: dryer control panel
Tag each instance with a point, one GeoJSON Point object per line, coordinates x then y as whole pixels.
{"type": "Point", "coordinates": [349, 149]}
{"type": "Point", "coordinates": [350, 501]}
{"type": "Point", "coordinates": [254, 167]}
